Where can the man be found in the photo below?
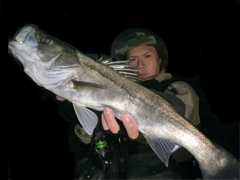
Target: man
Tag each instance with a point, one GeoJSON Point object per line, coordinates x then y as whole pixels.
{"type": "Point", "coordinates": [146, 50]}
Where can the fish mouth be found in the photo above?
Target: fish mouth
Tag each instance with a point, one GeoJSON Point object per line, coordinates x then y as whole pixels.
{"type": "Point", "coordinates": [24, 33]}
{"type": "Point", "coordinates": [23, 39]}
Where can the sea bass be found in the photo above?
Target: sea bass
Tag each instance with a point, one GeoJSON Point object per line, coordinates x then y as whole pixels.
{"type": "Point", "coordinates": [90, 84]}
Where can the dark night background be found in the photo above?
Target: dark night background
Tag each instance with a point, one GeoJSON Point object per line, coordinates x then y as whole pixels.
{"type": "Point", "coordinates": [202, 40]}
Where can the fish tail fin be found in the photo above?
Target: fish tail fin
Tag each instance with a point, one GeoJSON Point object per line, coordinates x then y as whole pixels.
{"type": "Point", "coordinates": [231, 171]}
{"type": "Point", "coordinates": [227, 170]}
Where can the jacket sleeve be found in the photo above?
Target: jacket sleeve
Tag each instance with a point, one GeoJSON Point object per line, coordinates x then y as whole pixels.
{"type": "Point", "coordinates": [187, 94]}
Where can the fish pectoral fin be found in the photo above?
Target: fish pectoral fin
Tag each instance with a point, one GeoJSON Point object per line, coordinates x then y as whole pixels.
{"type": "Point", "coordinates": [163, 148]}
{"type": "Point", "coordinates": [79, 85]}
{"type": "Point", "coordinates": [87, 118]}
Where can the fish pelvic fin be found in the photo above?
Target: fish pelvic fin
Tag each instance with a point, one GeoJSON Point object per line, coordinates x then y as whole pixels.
{"type": "Point", "coordinates": [87, 118]}
{"type": "Point", "coordinates": [163, 148]}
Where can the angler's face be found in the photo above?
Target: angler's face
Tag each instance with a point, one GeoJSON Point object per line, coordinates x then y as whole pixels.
{"type": "Point", "coordinates": [146, 59]}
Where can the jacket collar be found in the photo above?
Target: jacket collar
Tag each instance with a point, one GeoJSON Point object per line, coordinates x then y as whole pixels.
{"type": "Point", "coordinates": [162, 76]}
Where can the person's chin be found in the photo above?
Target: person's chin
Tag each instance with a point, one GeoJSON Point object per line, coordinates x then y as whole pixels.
{"type": "Point", "coordinates": [142, 76]}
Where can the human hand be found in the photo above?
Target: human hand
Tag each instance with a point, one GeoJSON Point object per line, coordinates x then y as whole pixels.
{"type": "Point", "coordinates": [109, 123]}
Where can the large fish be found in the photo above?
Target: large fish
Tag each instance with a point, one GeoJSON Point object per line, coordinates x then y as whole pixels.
{"type": "Point", "coordinates": [90, 84]}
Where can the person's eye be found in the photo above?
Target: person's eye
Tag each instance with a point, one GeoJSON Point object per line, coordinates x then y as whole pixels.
{"type": "Point", "coordinates": [148, 55]}
{"type": "Point", "coordinates": [132, 59]}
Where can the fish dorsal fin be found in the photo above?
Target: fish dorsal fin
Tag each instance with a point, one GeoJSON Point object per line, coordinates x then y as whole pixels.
{"type": "Point", "coordinates": [87, 118]}
{"type": "Point", "coordinates": [162, 147]}
{"type": "Point", "coordinates": [121, 67]}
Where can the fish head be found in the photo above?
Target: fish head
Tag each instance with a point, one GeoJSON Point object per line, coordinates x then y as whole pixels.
{"type": "Point", "coordinates": [43, 56]}
{"type": "Point", "coordinates": [32, 46]}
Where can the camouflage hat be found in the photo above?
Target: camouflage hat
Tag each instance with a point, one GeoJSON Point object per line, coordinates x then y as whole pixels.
{"type": "Point", "coordinates": [135, 37]}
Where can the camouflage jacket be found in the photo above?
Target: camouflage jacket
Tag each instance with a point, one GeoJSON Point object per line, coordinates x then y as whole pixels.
{"type": "Point", "coordinates": [175, 85]}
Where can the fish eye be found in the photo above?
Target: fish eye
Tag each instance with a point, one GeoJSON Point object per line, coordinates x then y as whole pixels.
{"type": "Point", "coordinates": [45, 40]}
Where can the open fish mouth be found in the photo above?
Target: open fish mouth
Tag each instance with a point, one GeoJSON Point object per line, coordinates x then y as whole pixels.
{"type": "Point", "coordinates": [24, 33]}
{"type": "Point", "coordinates": [22, 40]}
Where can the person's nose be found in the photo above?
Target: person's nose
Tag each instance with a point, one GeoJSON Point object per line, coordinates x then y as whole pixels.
{"type": "Point", "coordinates": [140, 63]}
